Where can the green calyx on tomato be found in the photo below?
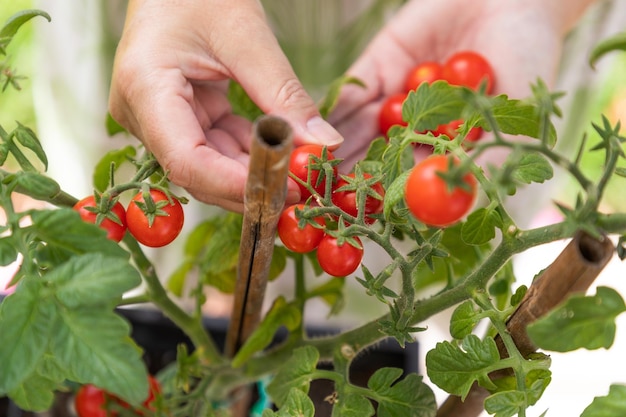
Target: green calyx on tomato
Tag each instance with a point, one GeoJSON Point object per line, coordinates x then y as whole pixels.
{"type": "Point", "coordinates": [429, 196]}
{"type": "Point", "coordinates": [154, 219]}
{"type": "Point", "coordinates": [297, 233]}
{"type": "Point", "coordinates": [359, 185]}
{"type": "Point", "coordinates": [307, 163]}
{"type": "Point", "coordinates": [109, 215]}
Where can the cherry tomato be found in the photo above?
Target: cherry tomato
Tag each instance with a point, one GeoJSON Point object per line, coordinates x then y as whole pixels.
{"type": "Point", "coordinates": [148, 403]}
{"type": "Point", "coordinates": [451, 131]}
{"type": "Point", "coordinates": [166, 225]}
{"type": "Point", "coordinates": [346, 200]}
{"type": "Point", "coordinates": [296, 239]}
{"type": "Point", "coordinates": [391, 113]}
{"type": "Point", "coordinates": [115, 231]}
{"type": "Point", "coordinates": [339, 260]}
{"type": "Point", "coordinates": [90, 401]}
{"type": "Point", "coordinates": [427, 195]}
{"type": "Point", "coordinates": [469, 69]}
{"type": "Point", "coordinates": [299, 166]}
{"type": "Point", "coordinates": [428, 71]}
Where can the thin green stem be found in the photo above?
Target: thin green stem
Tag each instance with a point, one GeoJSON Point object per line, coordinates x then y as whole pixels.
{"type": "Point", "coordinates": [192, 327]}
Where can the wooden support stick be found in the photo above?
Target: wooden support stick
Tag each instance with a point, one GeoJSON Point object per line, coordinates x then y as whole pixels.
{"type": "Point", "coordinates": [264, 200]}
{"type": "Point", "coordinates": [573, 271]}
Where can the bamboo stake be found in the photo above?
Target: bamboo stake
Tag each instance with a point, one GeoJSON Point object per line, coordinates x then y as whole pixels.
{"type": "Point", "coordinates": [573, 271]}
{"type": "Point", "coordinates": [264, 200]}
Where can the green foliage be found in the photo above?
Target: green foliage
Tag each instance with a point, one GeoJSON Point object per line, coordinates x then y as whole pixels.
{"type": "Point", "coordinates": [295, 373]}
{"type": "Point", "coordinates": [580, 322]}
{"type": "Point", "coordinates": [613, 404]}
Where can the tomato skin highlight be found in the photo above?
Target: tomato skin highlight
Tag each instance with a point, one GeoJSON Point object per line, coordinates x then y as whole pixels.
{"type": "Point", "coordinates": [468, 69]}
{"type": "Point", "coordinates": [391, 113]}
{"type": "Point", "coordinates": [114, 230]}
{"type": "Point", "coordinates": [347, 201]}
{"type": "Point", "coordinates": [293, 237]}
{"type": "Point", "coordinates": [90, 401]}
{"type": "Point", "coordinates": [427, 71]}
{"type": "Point", "coordinates": [338, 260]}
{"type": "Point", "coordinates": [164, 229]}
{"type": "Point", "coordinates": [299, 166]}
{"type": "Point", "coordinates": [427, 195]}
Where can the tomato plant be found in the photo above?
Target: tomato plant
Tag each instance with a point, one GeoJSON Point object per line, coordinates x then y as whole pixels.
{"type": "Point", "coordinates": [391, 113]}
{"type": "Point", "coordinates": [161, 225]}
{"type": "Point", "coordinates": [345, 196]}
{"type": "Point", "coordinates": [468, 69]}
{"type": "Point", "coordinates": [339, 258]}
{"type": "Point", "coordinates": [430, 198]}
{"type": "Point", "coordinates": [297, 235]}
{"type": "Point", "coordinates": [305, 164]}
{"type": "Point", "coordinates": [114, 221]}
{"type": "Point", "coordinates": [440, 248]}
{"type": "Point", "coordinates": [425, 72]}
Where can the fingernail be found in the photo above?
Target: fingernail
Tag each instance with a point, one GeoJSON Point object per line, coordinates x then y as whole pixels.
{"type": "Point", "coordinates": [320, 131]}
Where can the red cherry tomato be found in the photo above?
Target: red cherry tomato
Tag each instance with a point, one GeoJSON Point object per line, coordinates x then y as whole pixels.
{"type": "Point", "coordinates": [299, 166]}
{"type": "Point", "coordinates": [391, 113]}
{"type": "Point", "coordinates": [347, 201]}
{"type": "Point", "coordinates": [451, 131]}
{"type": "Point", "coordinates": [339, 260]}
{"type": "Point", "coordinates": [428, 71]}
{"type": "Point", "coordinates": [469, 69]}
{"type": "Point", "coordinates": [296, 239]}
{"type": "Point", "coordinates": [115, 231]}
{"type": "Point", "coordinates": [164, 228]}
{"type": "Point", "coordinates": [427, 195]}
{"type": "Point", "coordinates": [90, 401]}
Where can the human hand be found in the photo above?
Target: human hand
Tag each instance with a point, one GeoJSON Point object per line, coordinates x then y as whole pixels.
{"type": "Point", "coordinates": [169, 88]}
{"type": "Point", "coordinates": [521, 40]}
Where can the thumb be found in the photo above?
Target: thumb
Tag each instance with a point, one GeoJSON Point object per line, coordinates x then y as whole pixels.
{"type": "Point", "coordinates": [266, 75]}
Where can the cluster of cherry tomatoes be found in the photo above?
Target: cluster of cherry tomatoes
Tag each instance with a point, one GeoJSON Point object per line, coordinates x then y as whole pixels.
{"type": "Point", "coordinates": [91, 401]}
{"type": "Point", "coordinates": [464, 68]}
{"type": "Point", "coordinates": [337, 256]}
{"type": "Point", "coordinates": [155, 230]}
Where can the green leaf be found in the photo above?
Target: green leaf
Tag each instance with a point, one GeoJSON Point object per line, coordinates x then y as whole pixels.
{"type": "Point", "coordinates": [94, 346]}
{"type": "Point", "coordinates": [505, 404]}
{"type": "Point", "coordinates": [280, 314]}
{"type": "Point", "coordinates": [298, 404]}
{"type": "Point", "coordinates": [26, 325]}
{"type": "Point", "coordinates": [464, 319]}
{"type": "Point", "coordinates": [515, 117]}
{"type": "Point", "coordinates": [112, 126]}
{"type": "Point", "coordinates": [352, 404]}
{"type": "Point", "coordinates": [296, 372]}
{"type": "Point", "coordinates": [12, 25]}
{"type": "Point", "coordinates": [332, 95]}
{"type": "Point", "coordinates": [102, 171]}
{"type": "Point", "coordinates": [27, 138]}
{"type": "Point", "coordinates": [532, 167]}
{"type": "Point", "coordinates": [616, 42]}
{"type": "Point", "coordinates": [397, 158]}
{"type": "Point", "coordinates": [409, 396]}
{"type": "Point", "coordinates": [480, 226]}
{"type": "Point", "coordinates": [241, 102]}
{"type": "Point", "coordinates": [432, 105]}
{"type": "Point", "coordinates": [454, 368]}
{"type": "Point", "coordinates": [395, 193]}
{"type": "Point", "coordinates": [580, 322]}
{"type": "Point", "coordinates": [611, 405]}
{"type": "Point", "coordinates": [64, 229]}
{"type": "Point", "coordinates": [92, 279]}
{"type": "Point", "coordinates": [35, 185]}
{"type": "Point", "coordinates": [8, 251]}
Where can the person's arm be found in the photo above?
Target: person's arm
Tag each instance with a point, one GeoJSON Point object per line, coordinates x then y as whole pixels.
{"type": "Point", "coordinates": [169, 86]}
